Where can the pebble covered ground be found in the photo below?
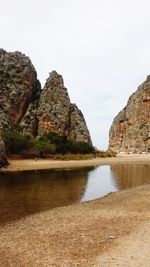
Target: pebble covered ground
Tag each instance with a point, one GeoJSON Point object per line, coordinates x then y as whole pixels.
{"type": "Point", "coordinates": [112, 231]}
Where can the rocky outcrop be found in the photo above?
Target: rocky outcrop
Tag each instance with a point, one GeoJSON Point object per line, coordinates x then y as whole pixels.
{"type": "Point", "coordinates": [27, 108]}
{"type": "Point", "coordinates": [18, 88]}
{"type": "Point", "coordinates": [56, 114]}
{"type": "Point", "coordinates": [76, 127]}
{"type": "Point", "coordinates": [18, 84]}
{"type": "Point", "coordinates": [3, 160]}
{"type": "Point", "coordinates": [54, 105]}
{"type": "Point", "coordinates": [130, 131]}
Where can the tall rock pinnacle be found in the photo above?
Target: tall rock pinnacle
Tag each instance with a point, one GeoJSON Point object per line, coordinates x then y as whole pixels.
{"type": "Point", "coordinates": [57, 114]}
{"type": "Point", "coordinates": [27, 108]}
{"type": "Point", "coordinates": [53, 111]}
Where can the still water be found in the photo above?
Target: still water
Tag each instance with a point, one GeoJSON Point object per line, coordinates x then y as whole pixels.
{"type": "Point", "coordinates": [25, 193]}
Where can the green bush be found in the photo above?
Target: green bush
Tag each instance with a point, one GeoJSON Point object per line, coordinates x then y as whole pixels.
{"type": "Point", "coordinates": [53, 138]}
{"type": "Point", "coordinates": [50, 143]}
{"type": "Point", "coordinates": [65, 146]}
{"type": "Point", "coordinates": [76, 147]}
{"type": "Point", "coordinates": [16, 142]}
{"type": "Point", "coordinates": [43, 147]}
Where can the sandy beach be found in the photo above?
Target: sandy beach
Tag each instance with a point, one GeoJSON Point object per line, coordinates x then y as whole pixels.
{"type": "Point", "coordinates": [112, 231]}
{"type": "Point", "coordinates": [41, 164]}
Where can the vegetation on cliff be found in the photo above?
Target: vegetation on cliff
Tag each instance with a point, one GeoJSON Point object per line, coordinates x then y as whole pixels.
{"type": "Point", "coordinates": [26, 110]}
{"type": "Point", "coordinates": [50, 143]}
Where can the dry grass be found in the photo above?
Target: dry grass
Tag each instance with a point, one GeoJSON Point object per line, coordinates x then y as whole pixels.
{"type": "Point", "coordinates": [67, 156]}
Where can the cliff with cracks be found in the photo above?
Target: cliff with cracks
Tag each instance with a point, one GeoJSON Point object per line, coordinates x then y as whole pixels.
{"type": "Point", "coordinates": [130, 131]}
{"type": "Point", "coordinates": [31, 110]}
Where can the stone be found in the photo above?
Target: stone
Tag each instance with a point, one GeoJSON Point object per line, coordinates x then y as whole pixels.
{"type": "Point", "coordinates": [18, 84]}
{"type": "Point", "coordinates": [130, 130]}
{"type": "Point", "coordinates": [18, 87]}
{"type": "Point", "coordinates": [56, 114]}
{"type": "Point", "coordinates": [26, 108]}
{"type": "Point", "coordinates": [3, 160]}
{"type": "Point", "coordinates": [54, 105]}
{"type": "Point", "coordinates": [77, 129]}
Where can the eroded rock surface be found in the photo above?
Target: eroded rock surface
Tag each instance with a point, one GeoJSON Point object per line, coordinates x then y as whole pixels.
{"type": "Point", "coordinates": [18, 84]}
{"type": "Point", "coordinates": [130, 131]}
{"type": "Point", "coordinates": [18, 87]}
{"type": "Point", "coordinates": [27, 108]}
{"type": "Point", "coordinates": [54, 105]}
{"type": "Point", "coordinates": [77, 128]}
{"type": "Point", "coordinates": [56, 114]}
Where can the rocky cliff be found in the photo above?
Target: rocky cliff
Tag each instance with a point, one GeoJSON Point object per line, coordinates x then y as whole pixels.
{"type": "Point", "coordinates": [130, 131]}
{"type": "Point", "coordinates": [27, 108]}
{"type": "Point", "coordinates": [53, 112]}
{"type": "Point", "coordinates": [18, 87]}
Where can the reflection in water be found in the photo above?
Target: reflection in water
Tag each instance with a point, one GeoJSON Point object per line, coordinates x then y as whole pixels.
{"type": "Point", "coordinates": [100, 183]}
{"type": "Point", "coordinates": [131, 175]}
{"type": "Point", "coordinates": [24, 193]}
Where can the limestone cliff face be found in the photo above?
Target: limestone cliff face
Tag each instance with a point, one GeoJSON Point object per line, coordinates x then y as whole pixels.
{"type": "Point", "coordinates": [18, 84]}
{"type": "Point", "coordinates": [53, 112]}
{"type": "Point", "coordinates": [77, 128]}
{"type": "Point", "coordinates": [56, 114]}
{"type": "Point", "coordinates": [18, 87]}
{"type": "Point", "coordinates": [27, 108]}
{"type": "Point", "coordinates": [54, 105]}
{"type": "Point", "coordinates": [130, 131]}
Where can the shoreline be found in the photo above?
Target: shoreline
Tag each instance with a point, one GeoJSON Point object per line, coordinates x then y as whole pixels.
{"type": "Point", "coordinates": [111, 231]}
{"type": "Point", "coordinates": [47, 164]}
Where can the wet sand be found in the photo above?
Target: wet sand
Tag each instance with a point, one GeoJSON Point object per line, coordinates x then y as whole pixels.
{"type": "Point", "coordinates": [30, 164]}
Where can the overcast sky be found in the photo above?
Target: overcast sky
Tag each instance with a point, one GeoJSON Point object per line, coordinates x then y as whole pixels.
{"type": "Point", "coordinates": [101, 47]}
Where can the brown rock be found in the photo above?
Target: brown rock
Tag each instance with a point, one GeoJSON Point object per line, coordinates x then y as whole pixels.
{"type": "Point", "coordinates": [27, 108]}
{"type": "Point", "coordinates": [57, 114]}
{"type": "Point", "coordinates": [18, 84]}
{"type": "Point", "coordinates": [18, 87]}
{"type": "Point", "coordinates": [77, 128]}
{"type": "Point", "coordinates": [54, 105]}
{"type": "Point", "coordinates": [130, 131]}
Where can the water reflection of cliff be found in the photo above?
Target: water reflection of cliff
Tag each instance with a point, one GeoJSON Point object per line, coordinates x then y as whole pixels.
{"type": "Point", "coordinates": [25, 193]}
{"type": "Point", "coordinates": [128, 176]}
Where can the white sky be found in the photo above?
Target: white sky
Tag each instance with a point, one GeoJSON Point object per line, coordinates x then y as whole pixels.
{"type": "Point", "coordinates": [101, 47]}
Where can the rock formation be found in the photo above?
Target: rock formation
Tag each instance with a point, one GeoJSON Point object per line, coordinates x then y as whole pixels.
{"type": "Point", "coordinates": [53, 112]}
{"type": "Point", "coordinates": [76, 127]}
{"type": "Point", "coordinates": [27, 108]}
{"type": "Point", "coordinates": [130, 131]}
{"type": "Point", "coordinates": [54, 105]}
{"type": "Point", "coordinates": [18, 87]}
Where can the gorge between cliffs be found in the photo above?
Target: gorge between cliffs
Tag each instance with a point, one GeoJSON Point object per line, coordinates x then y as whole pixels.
{"type": "Point", "coordinates": [51, 212]}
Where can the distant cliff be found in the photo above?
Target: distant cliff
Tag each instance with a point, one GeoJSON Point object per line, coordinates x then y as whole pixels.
{"type": "Point", "coordinates": [130, 131]}
{"type": "Point", "coordinates": [27, 108]}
